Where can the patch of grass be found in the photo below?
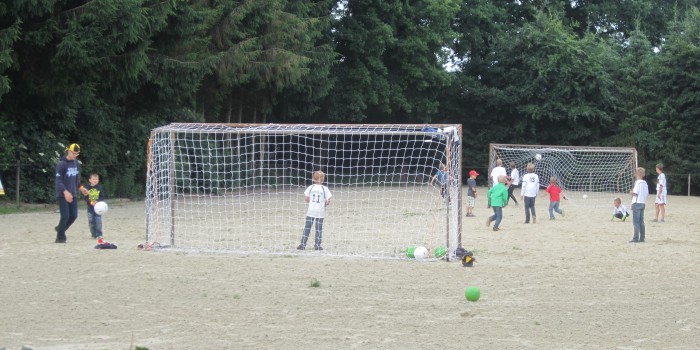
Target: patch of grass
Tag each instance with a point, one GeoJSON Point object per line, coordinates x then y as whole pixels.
{"type": "Point", "coordinates": [315, 283]}
{"type": "Point", "coordinates": [10, 207]}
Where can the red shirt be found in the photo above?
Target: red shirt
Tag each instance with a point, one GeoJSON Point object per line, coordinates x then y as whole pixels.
{"type": "Point", "coordinates": [554, 192]}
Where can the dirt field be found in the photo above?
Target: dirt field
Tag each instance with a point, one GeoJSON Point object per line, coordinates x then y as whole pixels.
{"type": "Point", "coordinates": [572, 283]}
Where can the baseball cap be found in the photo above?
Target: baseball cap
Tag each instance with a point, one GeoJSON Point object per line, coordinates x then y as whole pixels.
{"type": "Point", "coordinates": [473, 172]}
{"type": "Point", "coordinates": [74, 147]}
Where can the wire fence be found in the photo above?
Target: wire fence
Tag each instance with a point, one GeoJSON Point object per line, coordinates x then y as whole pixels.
{"type": "Point", "coordinates": [15, 181]}
{"type": "Point", "coordinates": [27, 182]}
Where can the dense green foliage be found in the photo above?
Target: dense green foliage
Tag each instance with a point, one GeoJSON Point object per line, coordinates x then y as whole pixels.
{"type": "Point", "coordinates": [103, 73]}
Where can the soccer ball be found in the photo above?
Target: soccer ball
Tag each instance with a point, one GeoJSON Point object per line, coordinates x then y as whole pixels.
{"type": "Point", "coordinates": [420, 253]}
{"type": "Point", "coordinates": [101, 208]}
{"type": "Point", "coordinates": [538, 156]}
{"type": "Point", "coordinates": [585, 196]}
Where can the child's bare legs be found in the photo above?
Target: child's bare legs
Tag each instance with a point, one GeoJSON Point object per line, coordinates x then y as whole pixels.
{"type": "Point", "coordinates": [660, 212]}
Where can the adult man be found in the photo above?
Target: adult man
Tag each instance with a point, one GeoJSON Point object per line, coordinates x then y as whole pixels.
{"type": "Point", "coordinates": [67, 185]}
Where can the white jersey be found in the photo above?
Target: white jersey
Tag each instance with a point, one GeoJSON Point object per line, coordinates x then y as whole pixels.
{"type": "Point", "coordinates": [515, 177]}
{"type": "Point", "coordinates": [641, 191]}
{"type": "Point", "coordinates": [495, 173]}
{"type": "Point", "coordinates": [661, 182]}
{"type": "Point", "coordinates": [318, 195]}
{"type": "Point", "coordinates": [621, 210]}
{"type": "Point", "coordinates": [531, 185]}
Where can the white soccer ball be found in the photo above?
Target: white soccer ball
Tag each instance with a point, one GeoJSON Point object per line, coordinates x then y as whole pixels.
{"type": "Point", "coordinates": [420, 253]}
{"type": "Point", "coordinates": [585, 196]}
{"type": "Point", "coordinates": [538, 156]}
{"type": "Point", "coordinates": [101, 208]}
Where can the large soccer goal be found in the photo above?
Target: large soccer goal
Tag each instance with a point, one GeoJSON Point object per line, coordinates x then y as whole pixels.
{"type": "Point", "coordinates": [240, 187]}
{"type": "Point", "coordinates": [590, 176]}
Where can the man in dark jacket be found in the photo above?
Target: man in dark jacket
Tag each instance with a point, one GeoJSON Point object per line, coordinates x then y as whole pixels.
{"type": "Point", "coordinates": [67, 185]}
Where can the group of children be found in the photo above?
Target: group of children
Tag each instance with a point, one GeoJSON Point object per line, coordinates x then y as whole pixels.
{"type": "Point", "coordinates": [318, 196]}
{"type": "Point", "coordinates": [499, 194]}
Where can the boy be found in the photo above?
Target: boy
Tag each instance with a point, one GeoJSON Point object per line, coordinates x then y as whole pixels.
{"type": "Point", "coordinates": [528, 193]}
{"type": "Point", "coordinates": [498, 196]}
{"type": "Point", "coordinates": [660, 201]}
{"type": "Point", "coordinates": [639, 192]}
{"type": "Point", "coordinates": [67, 185]}
{"type": "Point", "coordinates": [318, 196]}
{"type": "Point", "coordinates": [495, 173]}
{"type": "Point", "coordinates": [471, 192]}
{"type": "Point", "coordinates": [441, 179]}
{"type": "Point", "coordinates": [619, 210]}
{"type": "Point", "coordinates": [513, 182]}
{"type": "Point", "coordinates": [95, 193]}
{"type": "Point", "coordinates": [554, 193]}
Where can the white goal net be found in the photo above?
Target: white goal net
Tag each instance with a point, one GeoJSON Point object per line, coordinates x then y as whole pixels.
{"type": "Point", "coordinates": [240, 187]}
{"type": "Point", "coordinates": [589, 176]}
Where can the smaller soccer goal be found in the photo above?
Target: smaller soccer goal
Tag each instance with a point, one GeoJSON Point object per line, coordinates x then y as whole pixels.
{"type": "Point", "coordinates": [590, 176]}
{"type": "Point", "coordinates": [240, 187]}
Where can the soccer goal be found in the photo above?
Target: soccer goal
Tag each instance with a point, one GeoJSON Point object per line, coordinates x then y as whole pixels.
{"type": "Point", "coordinates": [590, 176]}
{"type": "Point", "coordinates": [240, 187]}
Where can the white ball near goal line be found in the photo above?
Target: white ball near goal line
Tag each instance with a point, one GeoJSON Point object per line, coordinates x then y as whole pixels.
{"type": "Point", "coordinates": [538, 156]}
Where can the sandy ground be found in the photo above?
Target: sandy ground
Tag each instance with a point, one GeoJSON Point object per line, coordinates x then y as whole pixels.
{"type": "Point", "coordinates": [572, 283]}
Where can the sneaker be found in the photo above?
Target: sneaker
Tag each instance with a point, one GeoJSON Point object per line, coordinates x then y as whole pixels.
{"type": "Point", "coordinates": [551, 218]}
{"type": "Point", "coordinates": [59, 240]}
{"type": "Point", "coordinates": [662, 220]}
{"type": "Point", "coordinates": [318, 248]}
{"type": "Point", "coordinates": [654, 220]}
{"type": "Point", "coordinates": [496, 229]}
{"type": "Point", "coordinates": [562, 213]}
{"type": "Point", "coordinates": [534, 220]}
{"type": "Point", "coordinates": [300, 247]}
{"type": "Point", "coordinates": [634, 241]}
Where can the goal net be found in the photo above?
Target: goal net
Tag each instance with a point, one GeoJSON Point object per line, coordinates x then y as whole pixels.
{"type": "Point", "coordinates": [240, 187]}
{"type": "Point", "coordinates": [590, 176]}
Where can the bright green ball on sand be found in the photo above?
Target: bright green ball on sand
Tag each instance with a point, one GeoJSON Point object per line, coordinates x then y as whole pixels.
{"type": "Point", "coordinates": [439, 252]}
{"type": "Point", "coordinates": [472, 293]}
{"type": "Point", "coordinates": [410, 251]}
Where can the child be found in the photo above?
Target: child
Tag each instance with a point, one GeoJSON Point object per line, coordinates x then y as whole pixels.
{"type": "Point", "coordinates": [513, 182]}
{"type": "Point", "coordinates": [619, 210]}
{"type": "Point", "coordinates": [554, 193]}
{"type": "Point", "coordinates": [660, 201]}
{"type": "Point", "coordinates": [441, 179]}
{"type": "Point", "coordinates": [318, 196]}
{"type": "Point", "coordinates": [530, 187]}
{"type": "Point", "coordinates": [498, 196]}
{"type": "Point", "coordinates": [471, 192]}
{"type": "Point", "coordinates": [95, 193]}
{"type": "Point", "coordinates": [639, 192]}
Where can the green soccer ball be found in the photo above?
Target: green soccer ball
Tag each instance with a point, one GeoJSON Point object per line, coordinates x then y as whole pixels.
{"type": "Point", "coordinates": [472, 293]}
{"type": "Point", "coordinates": [439, 252]}
{"type": "Point", "coordinates": [410, 251]}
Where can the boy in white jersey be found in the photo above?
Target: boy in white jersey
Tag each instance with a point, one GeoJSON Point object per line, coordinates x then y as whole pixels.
{"type": "Point", "coordinates": [318, 196]}
{"type": "Point", "coordinates": [619, 210]}
{"type": "Point", "coordinates": [530, 187]}
{"type": "Point", "coordinates": [660, 201]}
{"type": "Point", "coordinates": [639, 198]}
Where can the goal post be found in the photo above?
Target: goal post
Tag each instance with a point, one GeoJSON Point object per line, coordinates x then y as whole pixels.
{"type": "Point", "coordinates": [590, 176]}
{"type": "Point", "coordinates": [240, 187]}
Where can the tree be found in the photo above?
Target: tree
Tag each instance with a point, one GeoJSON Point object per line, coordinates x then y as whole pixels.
{"type": "Point", "coordinates": [391, 59]}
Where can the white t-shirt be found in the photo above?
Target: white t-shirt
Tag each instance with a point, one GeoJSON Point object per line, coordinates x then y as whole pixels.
{"type": "Point", "coordinates": [661, 181]}
{"type": "Point", "coordinates": [515, 177]}
{"type": "Point", "coordinates": [318, 195]}
{"type": "Point", "coordinates": [531, 185]}
{"type": "Point", "coordinates": [495, 173]}
{"type": "Point", "coordinates": [641, 191]}
{"type": "Point", "coordinates": [621, 209]}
